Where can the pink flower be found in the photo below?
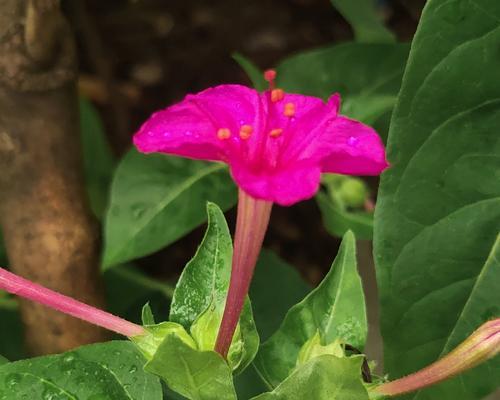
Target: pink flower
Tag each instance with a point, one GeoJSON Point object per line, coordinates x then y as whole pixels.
{"type": "Point", "coordinates": [276, 144]}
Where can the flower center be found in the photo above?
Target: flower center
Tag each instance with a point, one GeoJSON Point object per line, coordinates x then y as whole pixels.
{"type": "Point", "coordinates": [275, 112]}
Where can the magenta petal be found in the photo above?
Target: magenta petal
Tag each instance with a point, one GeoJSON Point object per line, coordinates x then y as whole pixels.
{"type": "Point", "coordinates": [190, 127]}
{"type": "Point", "coordinates": [285, 186]}
{"type": "Point", "coordinates": [350, 147]}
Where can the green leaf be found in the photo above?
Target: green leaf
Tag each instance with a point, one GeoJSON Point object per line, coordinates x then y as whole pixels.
{"type": "Point", "coordinates": [107, 371]}
{"type": "Point", "coordinates": [368, 76]}
{"type": "Point", "coordinates": [365, 21]}
{"type": "Point", "coordinates": [98, 159]}
{"type": "Point", "coordinates": [156, 199]}
{"type": "Point", "coordinates": [3, 360]}
{"type": "Point", "coordinates": [335, 309]}
{"type": "Point", "coordinates": [253, 72]}
{"type": "Point", "coordinates": [323, 378]}
{"type": "Point", "coordinates": [197, 375]}
{"type": "Point", "coordinates": [269, 309]}
{"type": "Point", "coordinates": [203, 287]}
{"type": "Point", "coordinates": [338, 221]}
{"type": "Point", "coordinates": [438, 210]}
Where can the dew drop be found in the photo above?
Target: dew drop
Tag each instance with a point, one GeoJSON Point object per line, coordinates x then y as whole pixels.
{"type": "Point", "coordinates": [12, 380]}
{"type": "Point", "coordinates": [133, 369]}
{"type": "Point", "coordinates": [69, 358]}
{"type": "Point", "coordinates": [138, 211]}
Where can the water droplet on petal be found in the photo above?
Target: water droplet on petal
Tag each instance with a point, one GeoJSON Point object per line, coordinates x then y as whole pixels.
{"type": "Point", "coordinates": [352, 141]}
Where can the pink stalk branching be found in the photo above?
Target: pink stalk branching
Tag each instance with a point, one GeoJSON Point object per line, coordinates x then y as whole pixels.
{"type": "Point", "coordinates": [24, 288]}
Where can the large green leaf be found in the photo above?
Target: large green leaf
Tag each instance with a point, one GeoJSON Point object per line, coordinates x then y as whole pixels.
{"type": "Point", "coordinates": [367, 76]}
{"type": "Point", "coordinates": [197, 375]}
{"type": "Point", "coordinates": [156, 199]}
{"type": "Point", "coordinates": [3, 360]}
{"type": "Point", "coordinates": [108, 371]}
{"type": "Point", "coordinates": [363, 17]}
{"type": "Point", "coordinates": [204, 283]}
{"type": "Point", "coordinates": [323, 378]}
{"type": "Point", "coordinates": [335, 310]}
{"type": "Point", "coordinates": [98, 159]}
{"type": "Point", "coordinates": [438, 211]}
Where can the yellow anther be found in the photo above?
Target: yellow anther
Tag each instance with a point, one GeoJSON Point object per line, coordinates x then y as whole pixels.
{"type": "Point", "coordinates": [276, 133]}
{"type": "Point", "coordinates": [289, 110]}
{"type": "Point", "coordinates": [246, 131]}
{"type": "Point", "coordinates": [223, 133]}
{"type": "Point", "coordinates": [277, 95]}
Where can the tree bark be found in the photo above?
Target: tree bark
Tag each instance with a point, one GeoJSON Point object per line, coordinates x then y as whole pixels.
{"type": "Point", "coordinates": [50, 235]}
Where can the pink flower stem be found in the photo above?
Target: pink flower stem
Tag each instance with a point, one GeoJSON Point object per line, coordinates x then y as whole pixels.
{"type": "Point", "coordinates": [24, 288]}
{"type": "Point", "coordinates": [251, 225]}
{"type": "Point", "coordinates": [483, 344]}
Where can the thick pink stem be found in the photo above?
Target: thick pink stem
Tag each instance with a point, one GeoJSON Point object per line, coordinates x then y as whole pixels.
{"type": "Point", "coordinates": [482, 345]}
{"type": "Point", "coordinates": [24, 288]}
{"type": "Point", "coordinates": [251, 225]}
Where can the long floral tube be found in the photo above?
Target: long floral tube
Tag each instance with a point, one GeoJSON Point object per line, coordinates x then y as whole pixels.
{"type": "Point", "coordinates": [24, 288]}
{"type": "Point", "coordinates": [481, 346]}
{"type": "Point", "coordinates": [251, 225]}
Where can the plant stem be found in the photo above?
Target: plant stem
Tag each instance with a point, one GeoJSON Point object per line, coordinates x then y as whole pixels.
{"type": "Point", "coordinates": [482, 345]}
{"type": "Point", "coordinates": [251, 225]}
{"type": "Point", "coordinates": [24, 288]}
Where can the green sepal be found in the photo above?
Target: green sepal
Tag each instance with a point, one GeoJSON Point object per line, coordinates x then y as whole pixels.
{"type": "Point", "coordinates": [196, 375]}
{"type": "Point", "coordinates": [149, 342]}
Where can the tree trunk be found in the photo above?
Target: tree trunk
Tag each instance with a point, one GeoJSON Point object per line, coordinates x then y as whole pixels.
{"type": "Point", "coordinates": [50, 235]}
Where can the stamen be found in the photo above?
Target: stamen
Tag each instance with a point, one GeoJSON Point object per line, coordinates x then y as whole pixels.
{"type": "Point", "coordinates": [289, 110]}
{"type": "Point", "coordinates": [276, 133]}
{"type": "Point", "coordinates": [277, 95]}
{"type": "Point", "coordinates": [223, 134]}
{"type": "Point", "coordinates": [246, 131]}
